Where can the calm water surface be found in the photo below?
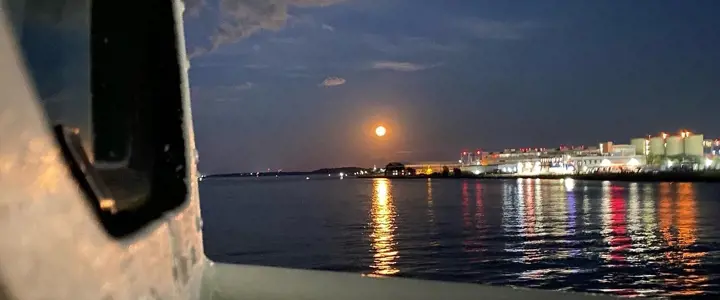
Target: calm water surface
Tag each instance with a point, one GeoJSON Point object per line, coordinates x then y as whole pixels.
{"type": "Point", "coordinates": [633, 239]}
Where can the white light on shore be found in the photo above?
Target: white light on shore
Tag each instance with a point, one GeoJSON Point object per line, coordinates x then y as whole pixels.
{"type": "Point", "coordinates": [633, 162]}
{"type": "Point", "coordinates": [569, 184]}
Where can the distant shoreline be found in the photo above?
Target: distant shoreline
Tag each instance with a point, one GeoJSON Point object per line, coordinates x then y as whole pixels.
{"type": "Point", "coordinates": [661, 177]}
{"type": "Point", "coordinates": [335, 171]}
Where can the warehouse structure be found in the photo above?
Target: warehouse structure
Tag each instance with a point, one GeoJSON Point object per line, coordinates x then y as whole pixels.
{"type": "Point", "coordinates": [664, 151]}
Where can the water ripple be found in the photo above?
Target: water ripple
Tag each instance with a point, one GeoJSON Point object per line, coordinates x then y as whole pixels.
{"type": "Point", "coordinates": [629, 239]}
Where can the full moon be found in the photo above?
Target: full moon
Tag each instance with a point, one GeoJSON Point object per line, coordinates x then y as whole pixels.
{"type": "Point", "coordinates": [380, 131]}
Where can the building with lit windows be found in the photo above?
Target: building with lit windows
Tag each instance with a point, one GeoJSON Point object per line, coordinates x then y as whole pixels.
{"type": "Point", "coordinates": [711, 147]}
{"type": "Point", "coordinates": [563, 160]}
{"type": "Point", "coordinates": [471, 157]}
{"type": "Point", "coordinates": [664, 151]}
{"type": "Point", "coordinates": [395, 169]}
{"type": "Point", "coordinates": [659, 152]}
{"type": "Point", "coordinates": [430, 167]}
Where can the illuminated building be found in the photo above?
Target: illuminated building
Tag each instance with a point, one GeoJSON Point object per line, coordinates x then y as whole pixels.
{"type": "Point", "coordinates": [395, 169]}
{"type": "Point", "coordinates": [683, 150]}
{"type": "Point", "coordinates": [641, 145]}
{"type": "Point", "coordinates": [562, 160]}
{"type": "Point", "coordinates": [465, 157]}
{"type": "Point", "coordinates": [470, 158]}
{"type": "Point", "coordinates": [661, 151]}
{"type": "Point", "coordinates": [708, 147]}
{"type": "Point", "coordinates": [430, 167]}
{"type": "Point", "coordinates": [606, 147]}
{"type": "Point", "coordinates": [623, 150]}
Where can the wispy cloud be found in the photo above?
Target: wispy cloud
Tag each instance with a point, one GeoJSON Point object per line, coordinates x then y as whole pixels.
{"type": "Point", "coordinates": [302, 20]}
{"type": "Point", "coordinates": [490, 29]}
{"type": "Point", "coordinates": [287, 40]}
{"type": "Point", "coordinates": [407, 44]}
{"type": "Point", "coordinates": [241, 18]}
{"type": "Point", "coordinates": [333, 81]}
{"type": "Point", "coordinates": [400, 66]}
{"type": "Point", "coordinates": [193, 7]}
{"type": "Point", "coordinates": [328, 27]}
{"type": "Point", "coordinates": [245, 86]}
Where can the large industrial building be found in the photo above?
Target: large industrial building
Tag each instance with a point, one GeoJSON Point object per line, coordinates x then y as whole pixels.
{"type": "Point", "coordinates": [664, 145]}
{"type": "Point", "coordinates": [684, 150]}
{"type": "Point", "coordinates": [563, 160]}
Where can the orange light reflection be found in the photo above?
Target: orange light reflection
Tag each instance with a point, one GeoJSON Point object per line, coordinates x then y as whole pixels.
{"type": "Point", "coordinates": [685, 223]}
{"type": "Point", "coordinates": [665, 214]}
{"type": "Point", "coordinates": [383, 229]}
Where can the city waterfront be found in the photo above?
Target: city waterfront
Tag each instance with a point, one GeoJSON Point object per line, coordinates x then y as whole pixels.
{"type": "Point", "coordinates": [625, 238]}
{"type": "Point", "coordinates": [685, 151]}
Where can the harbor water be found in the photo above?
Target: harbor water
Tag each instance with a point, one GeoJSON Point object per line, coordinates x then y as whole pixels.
{"type": "Point", "coordinates": [624, 238]}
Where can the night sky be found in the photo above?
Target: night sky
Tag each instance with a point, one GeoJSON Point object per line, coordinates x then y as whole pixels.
{"type": "Point", "coordinates": [301, 84]}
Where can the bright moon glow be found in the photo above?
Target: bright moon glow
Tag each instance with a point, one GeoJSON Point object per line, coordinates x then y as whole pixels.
{"type": "Point", "coordinates": [380, 131]}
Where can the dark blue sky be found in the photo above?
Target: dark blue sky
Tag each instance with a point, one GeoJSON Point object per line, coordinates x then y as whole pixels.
{"type": "Point", "coordinates": [300, 84]}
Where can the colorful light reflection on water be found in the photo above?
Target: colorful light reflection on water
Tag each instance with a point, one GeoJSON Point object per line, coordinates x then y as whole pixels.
{"type": "Point", "coordinates": [630, 239]}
